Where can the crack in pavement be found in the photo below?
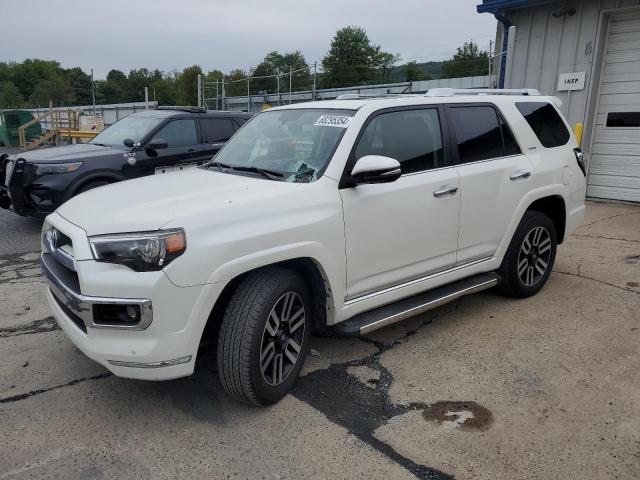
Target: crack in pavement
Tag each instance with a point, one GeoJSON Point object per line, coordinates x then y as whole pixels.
{"type": "Point", "coordinates": [609, 218]}
{"type": "Point", "coordinates": [604, 238]}
{"type": "Point", "coordinates": [23, 396]}
{"type": "Point", "coordinates": [598, 281]}
{"type": "Point", "coordinates": [44, 325]}
{"type": "Point", "coordinates": [361, 409]}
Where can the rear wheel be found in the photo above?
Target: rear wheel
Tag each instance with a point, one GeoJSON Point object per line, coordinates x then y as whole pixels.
{"type": "Point", "coordinates": [530, 256]}
{"type": "Point", "coordinates": [264, 337]}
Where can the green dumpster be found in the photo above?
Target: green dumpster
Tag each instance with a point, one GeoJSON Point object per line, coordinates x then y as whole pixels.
{"type": "Point", "coordinates": [10, 121]}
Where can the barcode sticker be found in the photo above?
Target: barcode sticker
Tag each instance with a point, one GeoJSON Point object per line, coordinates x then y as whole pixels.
{"type": "Point", "coordinates": [340, 121]}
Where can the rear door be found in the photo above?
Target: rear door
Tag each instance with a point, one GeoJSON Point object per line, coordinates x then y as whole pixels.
{"type": "Point", "coordinates": [494, 177]}
{"type": "Point", "coordinates": [217, 131]}
{"type": "Point", "coordinates": [183, 144]}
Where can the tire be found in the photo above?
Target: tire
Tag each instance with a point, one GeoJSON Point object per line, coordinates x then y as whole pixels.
{"type": "Point", "coordinates": [91, 185]}
{"type": "Point", "coordinates": [248, 370]}
{"type": "Point", "coordinates": [525, 273]}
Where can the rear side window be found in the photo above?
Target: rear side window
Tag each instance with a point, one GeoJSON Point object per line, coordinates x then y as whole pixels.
{"type": "Point", "coordinates": [217, 129]}
{"type": "Point", "coordinates": [481, 134]}
{"type": "Point", "coordinates": [413, 137]}
{"type": "Point", "coordinates": [545, 122]}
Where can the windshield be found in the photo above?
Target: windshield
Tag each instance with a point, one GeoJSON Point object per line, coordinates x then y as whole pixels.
{"type": "Point", "coordinates": [296, 143]}
{"type": "Point", "coordinates": [134, 127]}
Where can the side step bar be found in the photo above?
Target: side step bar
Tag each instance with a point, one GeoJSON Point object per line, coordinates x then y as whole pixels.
{"type": "Point", "coordinates": [367, 322]}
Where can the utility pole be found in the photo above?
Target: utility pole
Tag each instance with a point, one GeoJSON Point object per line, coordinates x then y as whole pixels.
{"type": "Point", "coordinates": [315, 74]}
{"type": "Point", "coordinates": [248, 97]}
{"type": "Point", "coordinates": [199, 90]}
{"type": "Point", "coordinates": [93, 93]}
{"type": "Point", "coordinates": [146, 98]}
{"type": "Point", "coordinates": [278, 82]}
{"type": "Point", "coordinates": [290, 82]}
{"type": "Point", "coordinates": [222, 100]}
{"type": "Point", "coordinates": [490, 62]}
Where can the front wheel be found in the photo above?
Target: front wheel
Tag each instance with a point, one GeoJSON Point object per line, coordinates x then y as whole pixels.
{"type": "Point", "coordinates": [264, 337]}
{"type": "Point", "coordinates": [530, 257]}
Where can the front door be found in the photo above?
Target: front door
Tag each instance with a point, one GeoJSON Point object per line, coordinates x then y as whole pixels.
{"type": "Point", "coordinates": [401, 231]}
{"type": "Point", "coordinates": [182, 149]}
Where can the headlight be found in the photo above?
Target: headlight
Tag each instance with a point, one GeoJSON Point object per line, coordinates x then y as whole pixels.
{"type": "Point", "coordinates": [142, 252]}
{"type": "Point", "coordinates": [56, 168]}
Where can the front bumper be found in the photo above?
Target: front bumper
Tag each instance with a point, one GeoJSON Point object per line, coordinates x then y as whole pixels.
{"type": "Point", "coordinates": [163, 349]}
{"type": "Point", "coordinates": [21, 192]}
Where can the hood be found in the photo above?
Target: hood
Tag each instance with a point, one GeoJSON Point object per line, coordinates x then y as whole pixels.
{"type": "Point", "coordinates": [66, 153]}
{"type": "Point", "coordinates": [149, 203]}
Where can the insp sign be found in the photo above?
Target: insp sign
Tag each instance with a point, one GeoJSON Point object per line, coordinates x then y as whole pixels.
{"type": "Point", "coordinates": [571, 81]}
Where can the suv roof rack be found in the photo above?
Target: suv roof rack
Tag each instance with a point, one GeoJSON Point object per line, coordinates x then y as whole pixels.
{"type": "Point", "coordinates": [183, 109]}
{"type": "Point", "coordinates": [356, 96]}
{"type": "Point", "coordinates": [450, 92]}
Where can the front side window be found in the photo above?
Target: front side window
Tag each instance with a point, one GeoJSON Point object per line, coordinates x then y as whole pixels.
{"type": "Point", "coordinates": [413, 137]}
{"type": "Point", "coordinates": [478, 133]}
{"type": "Point", "coordinates": [134, 127]}
{"type": "Point", "coordinates": [545, 122]}
{"type": "Point", "coordinates": [178, 133]}
{"type": "Point", "coordinates": [296, 143]}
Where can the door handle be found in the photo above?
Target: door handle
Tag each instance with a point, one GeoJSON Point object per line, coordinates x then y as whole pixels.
{"type": "Point", "coordinates": [446, 191]}
{"type": "Point", "coordinates": [518, 174]}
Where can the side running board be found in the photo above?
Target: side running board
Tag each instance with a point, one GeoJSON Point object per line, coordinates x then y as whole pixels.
{"type": "Point", "coordinates": [367, 322]}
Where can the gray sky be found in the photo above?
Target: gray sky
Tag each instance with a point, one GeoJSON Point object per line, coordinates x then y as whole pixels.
{"type": "Point", "coordinates": [225, 34]}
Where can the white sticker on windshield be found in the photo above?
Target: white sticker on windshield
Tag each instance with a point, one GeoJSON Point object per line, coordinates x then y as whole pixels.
{"type": "Point", "coordinates": [340, 121]}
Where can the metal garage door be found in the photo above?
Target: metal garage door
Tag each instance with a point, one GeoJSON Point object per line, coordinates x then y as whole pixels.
{"type": "Point", "coordinates": [614, 170]}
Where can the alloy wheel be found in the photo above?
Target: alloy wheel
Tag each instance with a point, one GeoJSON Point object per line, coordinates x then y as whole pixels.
{"type": "Point", "coordinates": [282, 338]}
{"type": "Point", "coordinates": [534, 256]}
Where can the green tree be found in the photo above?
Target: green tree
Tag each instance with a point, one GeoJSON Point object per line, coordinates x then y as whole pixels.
{"type": "Point", "coordinates": [413, 73]}
{"type": "Point", "coordinates": [234, 86]}
{"type": "Point", "coordinates": [354, 60]}
{"type": "Point", "coordinates": [188, 86]}
{"type": "Point", "coordinates": [28, 74]}
{"type": "Point", "coordinates": [275, 63]}
{"type": "Point", "coordinates": [10, 96]}
{"type": "Point", "coordinates": [80, 83]}
{"type": "Point", "coordinates": [468, 61]}
{"type": "Point", "coordinates": [56, 89]}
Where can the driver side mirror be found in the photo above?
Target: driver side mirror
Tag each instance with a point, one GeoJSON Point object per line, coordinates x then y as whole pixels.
{"type": "Point", "coordinates": [375, 169]}
{"type": "Point", "coordinates": [157, 144]}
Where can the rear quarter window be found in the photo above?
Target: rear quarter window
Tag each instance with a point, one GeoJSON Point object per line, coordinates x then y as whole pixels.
{"type": "Point", "coordinates": [546, 123]}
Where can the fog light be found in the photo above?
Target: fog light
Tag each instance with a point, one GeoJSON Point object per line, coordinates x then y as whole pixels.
{"type": "Point", "coordinates": [133, 313]}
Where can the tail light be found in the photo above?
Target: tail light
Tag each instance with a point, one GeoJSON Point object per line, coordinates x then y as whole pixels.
{"type": "Point", "coordinates": [580, 160]}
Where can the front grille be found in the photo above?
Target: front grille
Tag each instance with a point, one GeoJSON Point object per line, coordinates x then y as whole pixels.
{"type": "Point", "coordinates": [74, 318]}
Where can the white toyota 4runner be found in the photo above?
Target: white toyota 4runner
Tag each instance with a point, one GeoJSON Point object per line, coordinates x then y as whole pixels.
{"type": "Point", "coordinates": [331, 217]}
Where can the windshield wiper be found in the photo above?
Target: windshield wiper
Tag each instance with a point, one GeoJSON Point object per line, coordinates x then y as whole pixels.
{"type": "Point", "coordinates": [100, 144]}
{"type": "Point", "coordinates": [270, 174]}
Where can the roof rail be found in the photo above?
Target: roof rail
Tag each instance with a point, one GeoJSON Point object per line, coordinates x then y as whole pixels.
{"type": "Point", "coordinates": [356, 96]}
{"type": "Point", "coordinates": [183, 109]}
{"type": "Point", "coordinates": [450, 92]}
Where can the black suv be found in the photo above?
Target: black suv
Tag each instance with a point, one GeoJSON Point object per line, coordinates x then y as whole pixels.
{"type": "Point", "coordinates": [144, 143]}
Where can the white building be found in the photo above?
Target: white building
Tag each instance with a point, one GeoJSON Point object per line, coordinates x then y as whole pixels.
{"type": "Point", "coordinates": [588, 54]}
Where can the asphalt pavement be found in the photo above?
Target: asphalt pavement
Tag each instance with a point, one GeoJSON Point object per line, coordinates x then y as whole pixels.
{"type": "Point", "coordinates": [484, 388]}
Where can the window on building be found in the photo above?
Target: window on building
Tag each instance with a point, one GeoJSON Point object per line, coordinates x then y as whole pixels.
{"type": "Point", "coordinates": [623, 119]}
{"type": "Point", "coordinates": [545, 122]}
{"type": "Point", "coordinates": [413, 137]}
